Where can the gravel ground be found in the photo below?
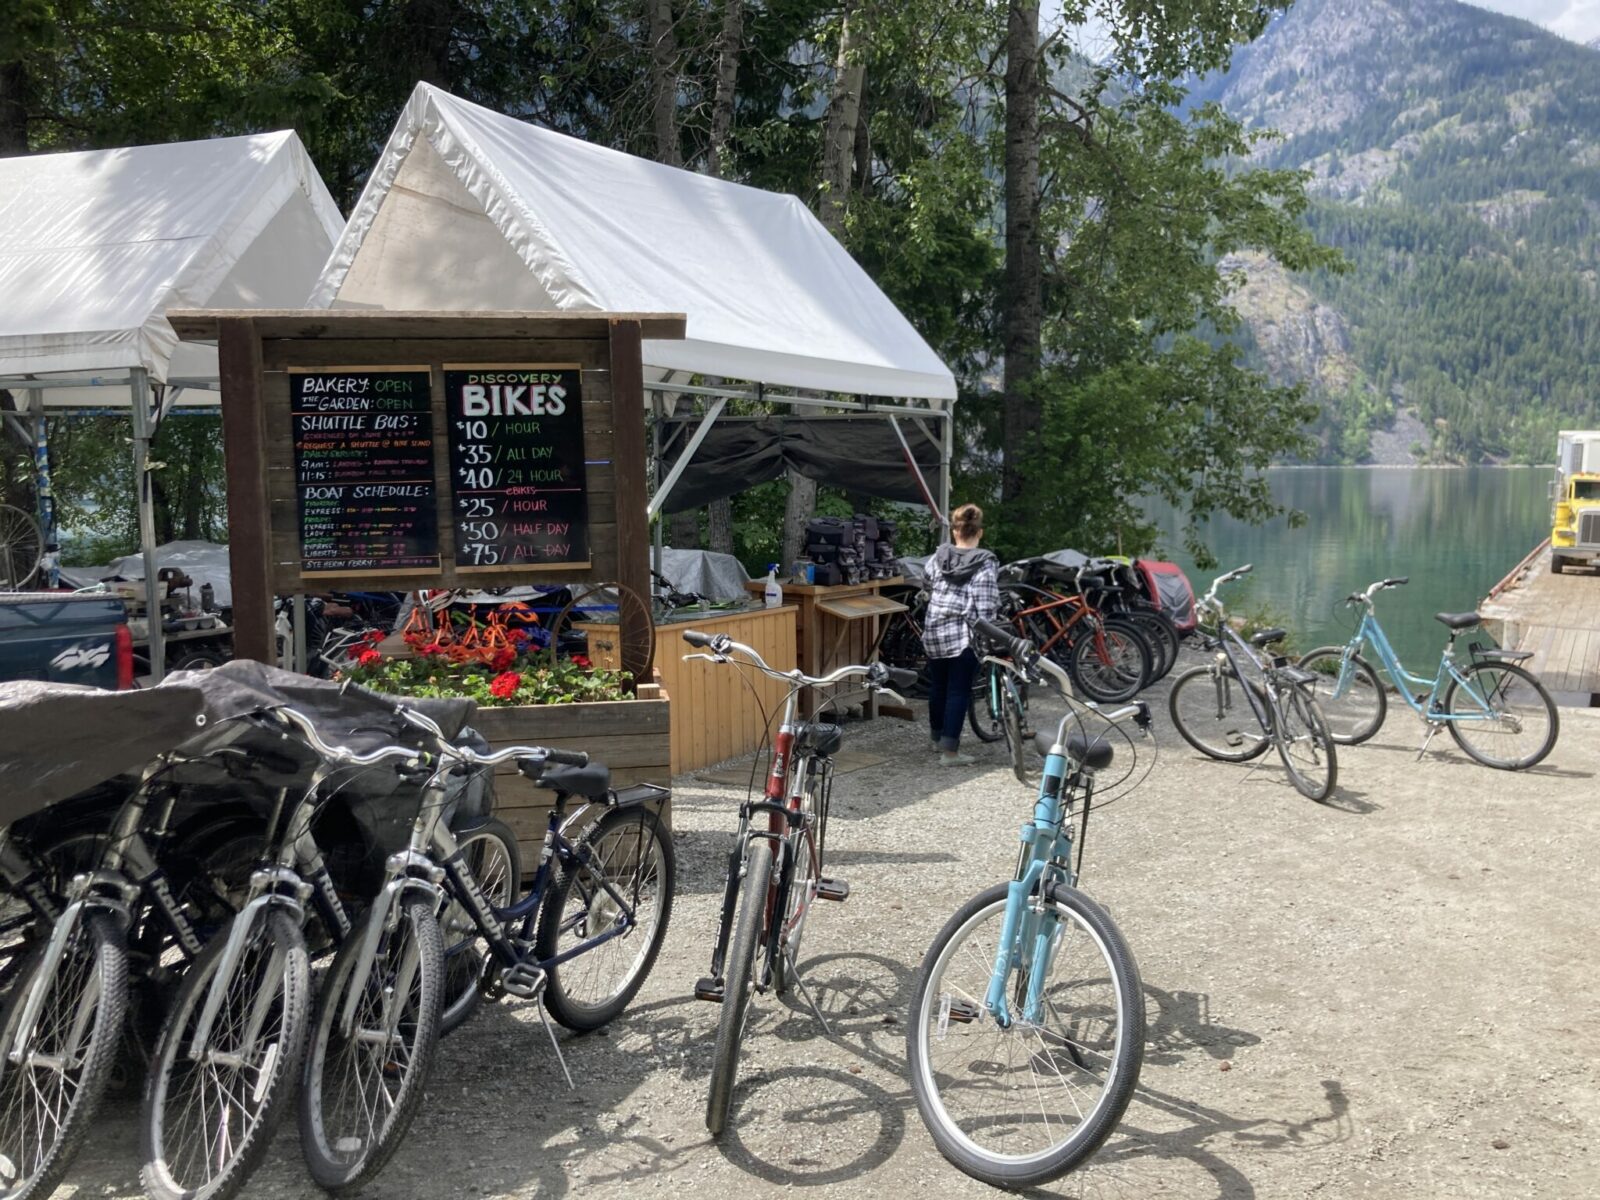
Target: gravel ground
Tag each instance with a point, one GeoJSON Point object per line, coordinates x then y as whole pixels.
{"type": "Point", "coordinates": [1386, 996]}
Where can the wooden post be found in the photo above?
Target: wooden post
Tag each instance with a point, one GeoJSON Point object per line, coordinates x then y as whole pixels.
{"type": "Point", "coordinates": [628, 459]}
{"type": "Point", "coordinates": [244, 444]}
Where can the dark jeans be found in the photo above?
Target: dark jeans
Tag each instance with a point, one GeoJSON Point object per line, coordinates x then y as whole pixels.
{"type": "Point", "coordinates": [949, 695]}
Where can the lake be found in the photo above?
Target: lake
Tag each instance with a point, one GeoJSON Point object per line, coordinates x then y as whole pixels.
{"type": "Point", "coordinates": [1455, 532]}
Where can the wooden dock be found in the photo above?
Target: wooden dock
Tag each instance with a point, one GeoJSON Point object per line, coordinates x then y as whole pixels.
{"type": "Point", "coordinates": [1555, 616]}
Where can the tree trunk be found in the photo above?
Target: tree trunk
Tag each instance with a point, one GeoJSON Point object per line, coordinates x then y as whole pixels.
{"type": "Point", "coordinates": [728, 43]}
{"type": "Point", "coordinates": [13, 109]}
{"type": "Point", "coordinates": [664, 82]}
{"type": "Point", "coordinates": [721, 526]}
{"type": "Point", "coordinates": [683, 528]}
{"type": "Point", "coordinates": [838, 159]}
{"type": "Point", "coordinates": [844, 111]}
{"type": "Point", "coordinates": [427, 27]}
{"type": "Point", "coordinates": [1022, 302]}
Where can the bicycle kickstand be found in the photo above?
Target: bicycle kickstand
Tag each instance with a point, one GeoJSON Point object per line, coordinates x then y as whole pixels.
{"type": "Point", "coordinates": [805, 994]}
{"type": "Point", "coordinates": [1433, 732]}
{"type": "Point", "coordinates": [556, 1046]}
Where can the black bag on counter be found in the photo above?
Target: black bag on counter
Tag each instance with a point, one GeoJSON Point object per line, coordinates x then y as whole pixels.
{"type": "Point", "coordinates": [830, 531]}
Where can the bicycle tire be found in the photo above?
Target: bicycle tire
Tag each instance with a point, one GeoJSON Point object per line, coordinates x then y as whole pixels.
{"type": "Point", "coordinates": [982, 717]}
{"type": "Point", "coordinates": [809, 848]}
{"type": "Point", "coordinates": [341, 1162]}
{"type": "Point", "coordinates": [1296, 708]}
{"type": "Point", "coordinates": [737, 971]}
{"type": "Point", "coordinates": [929, 1018]}
{"type": "Point", "coordinates": [574, 905]}
{"type": "Point", "coordinates": [1012, 721]}
{"type": "Point", "coordinates": [105, 979]}
{"type": "Point", "coordinates": [1119, 673]}
{"type": "Point", "coordinates": [1236, 723]}
{"type": "Point", "coordinates": [490, 852]}
{"type": "Point", "coordinates": [1536, 691]}
{"type": "Point", "coordinates": [171, 1170]}
{"type": "Point", "coordinates": [1163, 637]}
{"type": "Point", "coordinates": [1349, 720]}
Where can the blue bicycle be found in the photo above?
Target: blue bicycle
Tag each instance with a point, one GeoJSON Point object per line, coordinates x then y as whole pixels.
{"type": "Point", "coordinates": [1495, 709]}
{"type": "Point", "coordinates": [1027, 1021]}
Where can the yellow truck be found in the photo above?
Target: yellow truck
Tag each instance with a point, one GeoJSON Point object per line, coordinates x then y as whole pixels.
{"type": "Point", "coordinates": [1575, 523]}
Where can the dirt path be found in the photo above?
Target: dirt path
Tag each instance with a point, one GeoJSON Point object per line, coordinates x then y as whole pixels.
{"type": "Point", "coordinates": [1391, 996]}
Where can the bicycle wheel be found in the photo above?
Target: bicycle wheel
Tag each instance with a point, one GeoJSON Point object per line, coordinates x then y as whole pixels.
{"type": "Point", "coordinates": [361, 1089]}
{"type": "Point", "coordinates": [1503, 717]}
{"type": "Point", "coordinates": [1161, 634]}
{"type": "Point", "coordinates": [489, 852]}
{"type": "Point", "coordinates": [983, 715]}
{"type": "Point", "coordinates": [208, 1120]}
{"type": "Point", "coordinates": [627, 849]}
{"type": "Point", "coordinates": [737, 970]}
{"type": "Point", "coordinates": [51, 1083]}
{"type": "Point", "coordinates": [1210, 712]}
{"type": "Point", "coordinates": [807, 870]}
{"type": "Point", "coordinates": [1023, 1105]}
{"type": "Point", "coordinates": [1111, 665]}
{"type": "Point", "coordinates": [1013, 714]}
{"type": "Point", "coordinates": [1354, 706]}
{"type": "Point", "coordinates": [1305, 744]}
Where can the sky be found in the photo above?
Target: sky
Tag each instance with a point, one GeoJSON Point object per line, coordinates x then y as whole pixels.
{"type": "Point", "coordinates": [1575, 19]}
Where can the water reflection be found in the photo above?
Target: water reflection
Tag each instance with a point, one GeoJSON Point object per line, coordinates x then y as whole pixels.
{"type": "Point", "coordinates": [1454, 532]}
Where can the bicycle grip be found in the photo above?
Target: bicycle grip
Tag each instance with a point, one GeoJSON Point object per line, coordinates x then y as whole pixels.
{"type": "Point", "coordinates": [993, 633]}
{"type": "Point", "coordinates": [695, 638]}
{"type": "Point", "coordinates": [1397, 581]}
{"type": "Point", "coordinates": [901, 678]}
{"type": "Point", "coordinates": [566, 758]}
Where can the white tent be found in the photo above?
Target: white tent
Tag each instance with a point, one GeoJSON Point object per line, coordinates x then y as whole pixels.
{"type": "Point", "coordinates": [469, 209]}
{"type": "Point", "coordinates": [96, 246]}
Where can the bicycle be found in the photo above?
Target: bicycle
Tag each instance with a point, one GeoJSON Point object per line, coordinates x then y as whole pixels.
{"type": "Point", "coordinates": [1026, 1035]}
{"type": "Point", "coordinates": [1004, 702]}
{"type": "Point", "coordinates": [1278, 701]}
{"type": "Point", "coordinates": [1493, 695]}
{"type": "Point", "coordinates": [765, 916]}
{"type": "Point", "coordinates": [378, 1015]}
{"type": "Point", "coordinates": [1109, 658]}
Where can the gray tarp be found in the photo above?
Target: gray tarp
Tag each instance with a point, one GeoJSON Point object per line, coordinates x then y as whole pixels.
{"type": "Point", "coordinates": [712, 575]}
{"type": "Point", "coordinates": [59, 739]}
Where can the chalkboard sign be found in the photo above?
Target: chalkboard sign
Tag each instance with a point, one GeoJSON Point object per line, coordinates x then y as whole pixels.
{"type": "Point", "coordinates": [363, 469]}
{"type": "Point", "coordinates": [517, 471]}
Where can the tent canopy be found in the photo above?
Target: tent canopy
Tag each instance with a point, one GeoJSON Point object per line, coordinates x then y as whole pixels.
{"type": "Point", "coordinates": [469, 209]}
{"type": "Point", "coordinates": [96, 246]}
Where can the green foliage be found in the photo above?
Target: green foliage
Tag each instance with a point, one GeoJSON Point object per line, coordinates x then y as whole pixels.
{"type": "Point", "coordinates": [521, 681]}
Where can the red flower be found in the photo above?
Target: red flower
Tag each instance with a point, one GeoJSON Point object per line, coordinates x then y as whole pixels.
{"type": "Point", "coordinates": [368, 658]}
{"type": "Point", "coordinates": [373, 636]}
{"type": "Point", "coordinates": [503, 659]}
{"type": "Point", "coordinates": [518, 635]}
{"type": "Point", "coordinates": [505, 685]}
{"type": "Point", "coordinates": [582, 660]}
{"type": "Point", "coordinates": [429, 650]}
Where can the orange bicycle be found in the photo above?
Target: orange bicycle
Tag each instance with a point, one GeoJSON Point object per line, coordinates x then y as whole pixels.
{"type": "Point", "coordinates": [1108, 657]}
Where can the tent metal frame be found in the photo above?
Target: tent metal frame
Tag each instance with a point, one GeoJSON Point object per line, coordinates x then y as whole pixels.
{"type": "Point", "coordinates": [843, 407]}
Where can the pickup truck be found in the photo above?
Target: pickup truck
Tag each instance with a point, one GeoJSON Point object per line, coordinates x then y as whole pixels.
{"type": "Point", "coordinates": [66, 639]}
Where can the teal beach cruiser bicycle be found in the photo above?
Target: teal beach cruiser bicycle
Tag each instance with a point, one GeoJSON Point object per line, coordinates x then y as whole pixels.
{"type": "Point", "coordinates": [1493, 706]}
{"type": "Point", "coordinates": [1027, 1019]}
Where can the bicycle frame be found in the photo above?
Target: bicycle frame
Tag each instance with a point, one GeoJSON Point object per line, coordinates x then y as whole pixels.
{"type": "Point", "coordinates": [1371, 633]}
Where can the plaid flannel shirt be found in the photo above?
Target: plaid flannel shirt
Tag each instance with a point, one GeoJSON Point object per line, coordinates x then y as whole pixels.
{"type": "Point", "coordinates": [952, 605]}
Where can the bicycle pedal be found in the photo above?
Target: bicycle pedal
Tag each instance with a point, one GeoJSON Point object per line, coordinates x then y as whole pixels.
{"type": "Point", "coordinates": [708, 988]}
{"type": "Point", "coordinates": [833, 889]}
{"type": "Point", "coordinates": [962, 1012]}
{"type": "Point", "coordinates": [524, 981]}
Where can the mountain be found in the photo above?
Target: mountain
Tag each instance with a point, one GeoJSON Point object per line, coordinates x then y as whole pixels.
{"type": "Point", "coordinates": [1455, 159]}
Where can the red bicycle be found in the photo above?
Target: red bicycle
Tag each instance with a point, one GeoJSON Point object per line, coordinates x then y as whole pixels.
{"type": "Point", "coordinates": [775, 869]}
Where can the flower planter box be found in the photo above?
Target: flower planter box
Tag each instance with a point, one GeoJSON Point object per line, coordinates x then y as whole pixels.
{"type": "Point", "coordinates": [632, 737]}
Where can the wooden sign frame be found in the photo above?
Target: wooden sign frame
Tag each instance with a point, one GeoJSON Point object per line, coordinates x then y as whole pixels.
{"type": "Point", "coordinates": [258, 349]}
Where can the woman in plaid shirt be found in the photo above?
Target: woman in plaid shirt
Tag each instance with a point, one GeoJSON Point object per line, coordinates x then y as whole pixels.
{"type": "Point", "coordinates": [965, 584]}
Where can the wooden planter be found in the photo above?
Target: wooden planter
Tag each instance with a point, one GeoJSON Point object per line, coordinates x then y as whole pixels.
{"type": "Point", "coordinates": [632, 737]}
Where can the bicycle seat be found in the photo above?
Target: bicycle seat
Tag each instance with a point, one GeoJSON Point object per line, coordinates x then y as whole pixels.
{"type": "Point", "coordinates": [1095, 755]}
{"type": "Point", "coordinates": [1464, 620]}
{"type": "Point", "coordinates": [592, 782]}
{"type": "Point", "coordinates": [1267, 636]}
{"type": "Point", "coordinates": [818, 737]}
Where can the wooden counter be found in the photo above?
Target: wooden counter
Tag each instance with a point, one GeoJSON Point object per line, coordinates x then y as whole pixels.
{"type": "Point", "coordinates": [836, 627]}
{"type": "Point", "coordinates": [714, 716]}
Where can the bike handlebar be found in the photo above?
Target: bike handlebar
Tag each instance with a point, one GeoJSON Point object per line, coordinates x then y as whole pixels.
{"type": "Point", "coordinates": [1373, 589]}
{"type": "Point", "coordinates": [723, 647]}
{"type": "Point", "coordinates": [445, 748]}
